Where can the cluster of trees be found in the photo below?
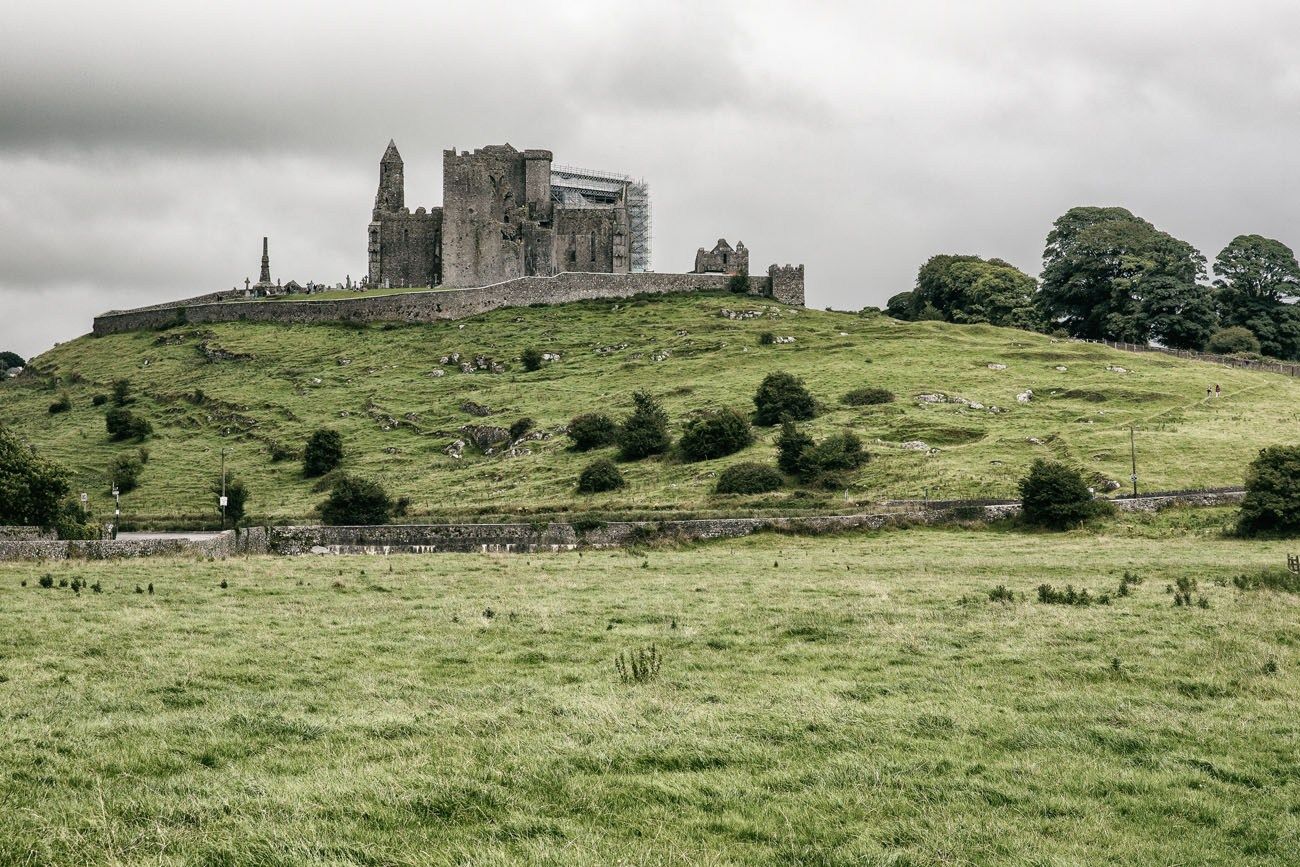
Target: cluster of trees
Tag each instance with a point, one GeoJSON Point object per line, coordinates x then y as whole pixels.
{"type": "Point", "coordinates": [1110, 274]}
{"type": "Point", "coordinates": [10, 359]}
{"type": "Point", "coordinates": [781, 398]}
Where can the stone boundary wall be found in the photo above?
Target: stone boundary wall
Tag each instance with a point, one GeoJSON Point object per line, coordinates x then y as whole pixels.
{"type": "Point", "coordinates": [230, 542]}
{"type": "Point", "coordinates": [530, 538]}
{"type": "Point", "coordinates": [431, 306]}
{"type": "Point", "coordinates": [556, 536]}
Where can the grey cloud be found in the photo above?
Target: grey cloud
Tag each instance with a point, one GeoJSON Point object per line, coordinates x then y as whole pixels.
{"type": "Point", "coordinates": [144, 152]}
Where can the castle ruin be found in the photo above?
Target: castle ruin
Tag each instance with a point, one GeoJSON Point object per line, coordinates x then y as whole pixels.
{"type": "Point", "coordinates": [506, 214]}
{"type": "Point", "coordinates": [514, 229]}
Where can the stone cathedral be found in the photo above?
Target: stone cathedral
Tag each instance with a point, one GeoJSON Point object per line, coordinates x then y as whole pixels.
{"type": "Point", "coordinates": [506, 214]}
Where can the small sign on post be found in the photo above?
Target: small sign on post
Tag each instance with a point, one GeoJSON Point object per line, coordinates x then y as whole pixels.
{"type": "Point", "coordinates": [223, 502]}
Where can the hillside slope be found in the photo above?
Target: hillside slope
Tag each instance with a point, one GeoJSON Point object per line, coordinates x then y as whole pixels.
{"type": "Point", "coordinates": [247, 387]}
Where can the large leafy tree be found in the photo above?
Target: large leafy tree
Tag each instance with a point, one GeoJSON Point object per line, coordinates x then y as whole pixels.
{"type": "Point", "coordinates": [10, 359]}
{"type": "Point", "coordinates": [1110, 274]}
{"type": "Point", "coordinates": [32, 491]}
{"type": "Point", "coordinates": [1255, 276]}
{"type": "Point", "coordinates": [971, 289]}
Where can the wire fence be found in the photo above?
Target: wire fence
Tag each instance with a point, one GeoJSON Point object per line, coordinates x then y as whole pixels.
{"type": "Point", "coordinates": [1283, 368]}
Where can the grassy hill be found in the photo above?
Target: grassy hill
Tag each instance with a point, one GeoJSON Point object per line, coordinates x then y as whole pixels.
{"type": "Point", "coordinates": [250, 387]}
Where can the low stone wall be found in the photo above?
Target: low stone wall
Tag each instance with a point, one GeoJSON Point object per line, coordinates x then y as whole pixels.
{"type": "Point", "coordinates": [219, 547]}
{"type": "Point", "coordinates": [26, 534]}
{"type": "Point", "coordinates": [532, 538]}
{"type": "Point", "coordinates": [434, 305]}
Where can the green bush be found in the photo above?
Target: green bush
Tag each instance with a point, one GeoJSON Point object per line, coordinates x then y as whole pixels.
{"type": "Point", "coordinates": [122, 424]}
{"type": "Point", "coordinates": [716, 434]}
{"type": "Point", "coordinates": [355, 501]}
{"type": "Point", "coordinates": [1272, 502]}
{"type": "Point", "coordinates": [739, 282]}
{"type": "Point", "coordinates": [824, 462]}
{"type": "Point", "coordinates": [1232, 340]}
{"type": "Point", "coordinates": [324, 452]}
{"type": "Point", "coordinates": [31, 490]}
{"type": "Point", "coordinates": [1055, 495]}
{"type": "Point", "coordinates": [236, 498]}
{"type": "Point", "coordinates": [121, 392]}
{"type": "Point", "coordinates": [782, 395]}
{"type": "Point", "coordinates": [790, 447]}
{"type": "Point", "coordinates": [99, 400]}
{"type": "Point", "coordinates": [10, 359]}
{"type": "Point", "coordinates": [63, 404]}
{"type": "Point", "coordinates": [767, 338]}
{"type": "Point", "coordinates": [592, 430]}
{"type": "Point", "coordinates": [749, 478]}
{"type": "Point", "coordinates": [521, 427]}
{"type": "Point", "coordinates": [531, 358]}
{"type": "Point", "coordinates": [124, 472]}
{"type": "Point", "coordinates": [598, 476]}
{"type": "Point", "coordinates": [867, 397]}
{"type": "Point", "coordinates": [645, 431]}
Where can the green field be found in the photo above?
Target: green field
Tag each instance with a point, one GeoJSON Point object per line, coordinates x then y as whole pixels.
{"type": "Point", "coordinates": [844, 700]}
{"type": "Point", "coordinates": [278, 383]}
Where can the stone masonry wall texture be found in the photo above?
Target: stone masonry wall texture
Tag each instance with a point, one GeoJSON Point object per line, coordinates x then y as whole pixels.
{"type": "Point", "coordinates": [431, 306]}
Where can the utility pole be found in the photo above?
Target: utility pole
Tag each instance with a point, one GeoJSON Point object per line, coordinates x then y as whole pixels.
{"type": "Point", "coordinates": [117, 510]}
{"type": "Point", "coordinates": [223, 477]}
{"type": "Point", "coordinates": [1132, 450]}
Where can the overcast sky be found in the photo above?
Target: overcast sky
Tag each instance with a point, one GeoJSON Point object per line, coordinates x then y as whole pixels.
{"type": "Point", "coordinates": [146, 148]}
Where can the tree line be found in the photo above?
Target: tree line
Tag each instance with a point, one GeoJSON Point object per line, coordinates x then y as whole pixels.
{"type": "Point", "coordinates": [1108, 274]}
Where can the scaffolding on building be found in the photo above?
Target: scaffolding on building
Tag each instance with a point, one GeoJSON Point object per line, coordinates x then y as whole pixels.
{"type": "Point", "coordinates": [567, 189]}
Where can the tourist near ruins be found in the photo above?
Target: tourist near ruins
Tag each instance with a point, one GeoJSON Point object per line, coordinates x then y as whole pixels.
{"type": "Point", "coordinates": [890, 457]}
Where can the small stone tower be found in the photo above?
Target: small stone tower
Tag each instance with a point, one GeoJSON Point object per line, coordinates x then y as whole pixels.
{"type": "Point", "coordinates": [391, 197]}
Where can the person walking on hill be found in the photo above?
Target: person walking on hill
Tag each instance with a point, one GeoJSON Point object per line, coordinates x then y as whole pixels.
{"type": "Point", "coordinates": [1216, 389]}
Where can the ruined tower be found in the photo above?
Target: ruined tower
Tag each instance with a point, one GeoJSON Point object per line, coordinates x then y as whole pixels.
{"type": "Point", "coordinates": [391, 197]}
{"type": "Point", "coordinates": [403, 248]}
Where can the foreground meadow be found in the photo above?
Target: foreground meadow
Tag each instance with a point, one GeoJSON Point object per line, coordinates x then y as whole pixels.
{"type": "Point", "coordinates": [840, 700]}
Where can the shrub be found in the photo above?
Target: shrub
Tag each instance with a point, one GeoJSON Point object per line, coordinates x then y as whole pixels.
{"type": "Point", "coordinates": [122, 424]}
{"type": "Point", "coordinates": [1001, 594]}
{"type": "Point", "coordinates": [355, 501]}
{"type": "Point", "coordinates": [520, 427]}
{"type": "Point", "coordinates": [236, 498]}
{"type": "Point", "coordinates": [63, 404]}
{"type": "Point", "coordinates": [1272, 502]}
{"type": "Point", "coordinates": [281, 452]}
{"type": "Point", "coordinates": [767, 338]}
{"type": "Point", "coordinates": [99, 400]}
{"type": "Point", "coordinates": [790, 447]}
{"type": "Point", "coordinates": [782, 395]}
{"type": "Point", "coordinates": [825, 461]}
{"type": "Point", "coordinates": [46, 581]}
{"type": "Point", "coordinates": [592, 430]}
{"type": "Point", "coordinates": [867, 397]}
{"type": "Point", "coordinates": [323, 453]}
{"type": "Point", "coordinates": [716, 434]}
{"type": "Point", "coordinates": [32, 490]}
{"type": "Point", "coordinates": [638, 666]}
{"type": "Point", "coordinates": [600, 476]}
{"type": "Point", "coordinates": [531, 358]}
{"type": "Point", "coordinates": [1049, 595]}
{"type": "Point", "coordinates": [124, 472]}
{"type": "Point", "coordinates": [645, 431]}
{"type": "Point", "coordinates": [1232, 340]}
{"type": "Point", "coordinates": [1055, 495]}
{"type": "Point", "coordinates": [1277, 579]}
{"type": "Point", "coordinates": [121, 392]}
{"type": "Point", "coordinates": [749, 478]}
{"type": "Point", "coordinates": [739, 282]}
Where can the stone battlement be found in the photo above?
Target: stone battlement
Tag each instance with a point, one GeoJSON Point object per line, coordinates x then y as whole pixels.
{"type": "Point", "coordinates": [441, 304]}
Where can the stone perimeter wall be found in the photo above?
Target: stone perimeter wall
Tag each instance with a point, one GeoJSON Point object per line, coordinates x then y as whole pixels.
{"type": "Point", "coordinates": [440, 304]}
{"type": "Point", "coordinates": [523, 538]}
